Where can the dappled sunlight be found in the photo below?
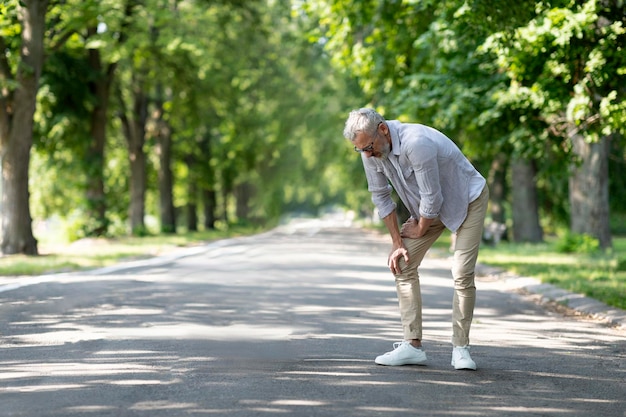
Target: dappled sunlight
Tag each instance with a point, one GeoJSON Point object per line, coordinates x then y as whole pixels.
{"type": "Point", "coordinates": [449, 383]}
{"type": "Point", "coordinates": [299, 402]}
{"type": "Point", "coordinates": [89, 409]}
{"type": "Point", "coordinates": [380, 288]}
{"type": "Point", "coordinates": [524, 411]}
{"type": "Point", "coordinates": [162, 405]}
{"type": "Point", "coordinates": [560, 375]}
{"type": "Point", "coordinates": [379, 409]}
{"type": "Point", "coordinates": [167, 331]}
{"type": "Point", "coordinates": [275, 329]}
{"type": "Point", "coordinates": [141, 382]}
{"type": "Point", "coordinates": [73, 368]}
{"type": "Point", "coordinates": [350, 275]}
{"type": "Point", "coordinates": [328, 373]}
{"type": "Point", "coordinates": [42, 388]}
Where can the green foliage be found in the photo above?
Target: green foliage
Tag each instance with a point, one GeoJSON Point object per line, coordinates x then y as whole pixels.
{"type": "Point", "coordinates": [64, 104]}
{"type": "Point", "coordinates": [500, 79]}
{"type": "Point", "coordinates": [620, 264]}
{"type": "Point", "coordinates": [10, 37]}
{"type": "Point", "coordinates": [256, 93]}
{"type": "Point", "coordinates": [233, 95]}
{"type": "Point", "coordinates": [577, 243]}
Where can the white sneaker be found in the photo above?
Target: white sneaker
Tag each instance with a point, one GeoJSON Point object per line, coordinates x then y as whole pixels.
{"type": "Point", "coordinates": [403, 353]}
{"type": "Point", "coordinates": [461, 358]}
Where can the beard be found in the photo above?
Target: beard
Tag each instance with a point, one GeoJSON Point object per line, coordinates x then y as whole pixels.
{"type": "Point", "coordinates": [384, 151]}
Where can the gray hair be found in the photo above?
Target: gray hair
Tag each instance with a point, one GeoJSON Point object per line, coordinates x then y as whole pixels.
{"type": "Point", "coordinates": [362, 120]}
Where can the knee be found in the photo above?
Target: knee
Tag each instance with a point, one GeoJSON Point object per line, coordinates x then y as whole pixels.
{"type": "Point", "coordinates": [408, 275]}
{"type": "Point", "coordinates": [463, 279]}
{"type": "Point", "coordinates": [465, 286]}
{"type": "Point", "coordinates": [408, 271]}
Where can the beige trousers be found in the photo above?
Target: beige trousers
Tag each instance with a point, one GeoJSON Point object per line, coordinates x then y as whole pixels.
{"type": "Point", "coordinates": [466, 247]}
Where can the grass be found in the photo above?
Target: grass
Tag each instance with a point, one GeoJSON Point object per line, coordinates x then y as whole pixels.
{"type": "Point", "coordinates": [94, 253]}
{"type": "Point", "coordinates": [598, 275]}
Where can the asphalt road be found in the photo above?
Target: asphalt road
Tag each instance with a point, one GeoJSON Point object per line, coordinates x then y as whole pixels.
{"type": "Point", "coordinates": [288, 323]}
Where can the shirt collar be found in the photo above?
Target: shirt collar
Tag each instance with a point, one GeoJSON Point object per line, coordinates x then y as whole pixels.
{"type": "Point", "coordinates": [395, 137]}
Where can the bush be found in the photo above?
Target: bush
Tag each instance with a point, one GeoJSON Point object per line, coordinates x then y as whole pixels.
{"type": "Point", "coordinates": [621, 264]}
{"type": "Point", "coordinates": [577, 243]}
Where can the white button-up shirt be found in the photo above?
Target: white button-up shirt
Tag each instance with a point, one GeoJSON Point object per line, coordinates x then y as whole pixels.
{"type": "Point", "coordinates": [428, 172]}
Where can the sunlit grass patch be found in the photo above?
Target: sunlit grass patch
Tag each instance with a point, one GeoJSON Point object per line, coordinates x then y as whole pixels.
{"type": "Point", "coordinates": [90, 253]}
{"type": "Point", "coordinates": [598, 275]}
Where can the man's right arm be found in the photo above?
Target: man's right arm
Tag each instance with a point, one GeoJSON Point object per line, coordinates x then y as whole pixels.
{"type": "Point", "coordinates": [397, 247]}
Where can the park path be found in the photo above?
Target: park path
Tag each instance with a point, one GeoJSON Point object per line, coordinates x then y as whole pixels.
{"type": "Point", "coordinates": [288, 323]}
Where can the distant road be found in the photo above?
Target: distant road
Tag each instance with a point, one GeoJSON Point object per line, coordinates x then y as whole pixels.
{"type": "Point", "coordinates": [287, 323]}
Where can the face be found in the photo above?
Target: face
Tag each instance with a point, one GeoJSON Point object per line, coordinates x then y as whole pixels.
{"type": "Point", "coordinates": [377, 146]}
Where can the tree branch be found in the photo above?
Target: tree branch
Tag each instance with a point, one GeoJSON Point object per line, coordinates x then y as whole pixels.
{"type": "Point", "coordinates": [62, 40]}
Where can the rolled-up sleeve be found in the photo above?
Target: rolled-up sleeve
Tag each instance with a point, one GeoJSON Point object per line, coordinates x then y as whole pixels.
{"type": "Point", "coordinates": [381, 190]}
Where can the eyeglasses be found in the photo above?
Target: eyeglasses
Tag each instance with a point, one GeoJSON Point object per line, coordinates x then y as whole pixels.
{"type": "Point", "coordinates": [368, 148]}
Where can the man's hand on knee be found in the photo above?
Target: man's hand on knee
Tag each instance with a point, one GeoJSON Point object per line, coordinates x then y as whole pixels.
{"type": "Point", "coordinates": [394, 259]}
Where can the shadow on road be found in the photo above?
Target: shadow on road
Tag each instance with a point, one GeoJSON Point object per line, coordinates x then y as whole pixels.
{"type": "Point", "coordinates": [288, 323]}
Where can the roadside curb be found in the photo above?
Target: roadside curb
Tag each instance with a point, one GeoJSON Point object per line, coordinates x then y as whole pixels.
{"type": "Point", "coordinates": [549, 294]}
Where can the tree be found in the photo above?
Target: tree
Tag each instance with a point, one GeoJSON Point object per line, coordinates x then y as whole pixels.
{"type": "Point", "coordinates": [526, 226]}
{"type": "Point", "coordinates": [105, 68]}
{"type": "Point", "coordinates": [87, 40]}
{"type": "Point", "coordinates": [564, 68]}
{"type": "Point", "coordinates": [19, 81]}
{"type": "Point", "coordinates": [418, 61]}
{"type": "Point", "coordinates": [238, 111]}
{"type": "Point", "coordinates": [134, 128]}
{"type": "Point", "coordinates": [135, 86]}
{"type": "Point", "coordinates": [549, 91]}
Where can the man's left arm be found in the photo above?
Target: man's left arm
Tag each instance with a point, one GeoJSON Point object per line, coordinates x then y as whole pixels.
{"type": "Point", "coordinates": [413, 228]}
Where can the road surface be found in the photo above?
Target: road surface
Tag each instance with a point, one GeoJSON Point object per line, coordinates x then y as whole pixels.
{"type": "Point", "coordinates": [287, 323]}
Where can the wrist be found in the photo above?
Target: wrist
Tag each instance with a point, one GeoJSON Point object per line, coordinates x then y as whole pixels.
{"type": "Point", "coordinates": [397, 243]}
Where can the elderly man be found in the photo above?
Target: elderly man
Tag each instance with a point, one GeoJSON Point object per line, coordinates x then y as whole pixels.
{"type": "Point", "coordinates": [441, 189]}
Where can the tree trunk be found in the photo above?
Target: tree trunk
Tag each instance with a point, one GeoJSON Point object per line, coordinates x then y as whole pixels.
{"type": "Point", "coordinates": [136, 211]}
{"type": "Point", "coordinates": [525, 208]}
{"type": "Point", "coordinates": [16, 133]}
{"type": "Point", "coordinates": [97, 223]}
{"type": "Point", "coordinates": [589, 190]}
{"type": "Point", "coordinates": [243, 195]}
{"type": "Point", "coordinates": [135, 133]}
{"type": "Point", "coordinates": [225, 197]}
{"type": "Point", "coordinates": [209, 202]}
{"type": "Point", "coordinates": [192, 208]}
{"type": "Point", "coordinates": [207, 183]}
{"type": "Point", "coordinates": [497, 188]}
{"type": "Point", "coordinates": [166, 184]}
{"type": "Point", "coordinates": [192, 193]}
{"type": "Point", "coordinates": [166, 178]}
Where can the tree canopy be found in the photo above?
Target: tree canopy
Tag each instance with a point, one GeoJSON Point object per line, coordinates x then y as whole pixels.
{"type": "Point", "coordinates": [160, 115]}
